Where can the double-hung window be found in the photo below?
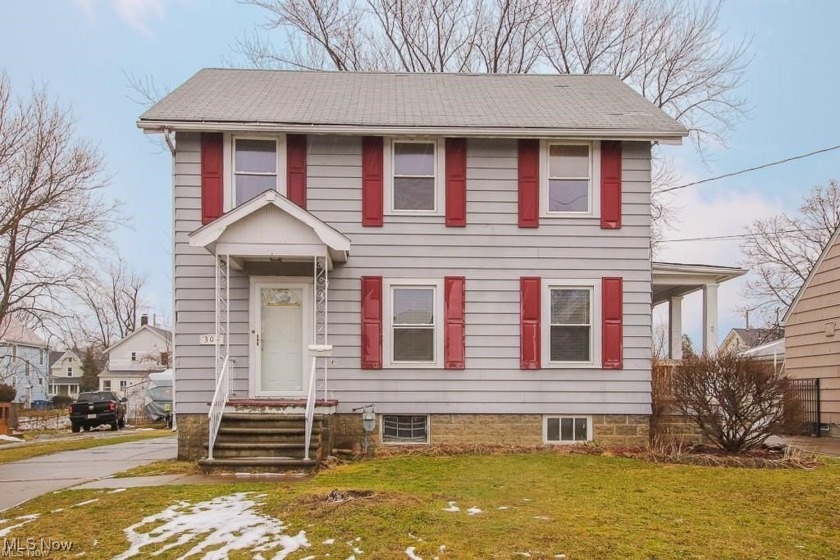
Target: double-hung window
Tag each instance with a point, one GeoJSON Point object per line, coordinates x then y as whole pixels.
{"type": "Point", "coordinates": [414, 333]}
{"type": "Point", "coordinates": [571, 317]}
{"type": "Point", "coordinates": [69, 371]}
{"type": "Point", "coordinates": [415, 176]}
{"type": "Point", "coordinates": [570, 172]}
{"type": "Point", "coordinates": [255, 168]}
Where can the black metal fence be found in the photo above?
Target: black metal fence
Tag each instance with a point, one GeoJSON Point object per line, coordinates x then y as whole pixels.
{"type": "Point", "coordinates": [809, 395]}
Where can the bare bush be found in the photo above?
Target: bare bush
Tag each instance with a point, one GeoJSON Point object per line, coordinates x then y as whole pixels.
{"type": "Point", "coordinates": [736, 401]}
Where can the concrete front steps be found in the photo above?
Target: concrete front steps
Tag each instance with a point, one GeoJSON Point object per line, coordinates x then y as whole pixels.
{"type": "Point", "coordinates": [267, 437]}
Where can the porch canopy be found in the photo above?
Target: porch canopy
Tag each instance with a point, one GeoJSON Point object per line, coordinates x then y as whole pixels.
{"type": "Point", "coordinates": [673, 281]}
{"type": "Point", "coordinates": [271, 228]}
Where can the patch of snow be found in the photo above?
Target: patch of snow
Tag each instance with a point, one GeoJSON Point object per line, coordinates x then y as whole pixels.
{"type": "Point", "coordinates": [116, 491]}
{"type": "Point", "coordinates": [543, 517]}
{"type": "Point", "coordinates": [24, 519]}
{"type": "Point", "coordinates": [452, 507]}
{"type": "Point", "coordinates": [442, 548]}
{"type": "Point", "coordinates": [59, 510]}
{"type": "Point", "coordinates": [328, 541]}
{"type": "Point", "coordinates": [503, 507]}
{"type": "Point", "coordinates": [410, 553]}
{"type": "Point", "coordinates": [527, 500]}
{"type": "Point", "coordinates": [358, 551]}
{"type": "Point", "coordinates": [4, 437]}
{"type": "Point", "coordinates": [474, 511]}
{"type": "Point", "coordinates": [415, 537]}
{"type": "Point", "coordinates": [223, 525]}
{"type": "Point", "coordinates": [86, 502]}
{"type": "Point", "coordinates": [308, 558]}
{"type": "Point", "coordinates": [523, 554]}
{"type": "Point", "coordinates": [560, 556]}
{"type": "Point", "coordinates": [95, 542]}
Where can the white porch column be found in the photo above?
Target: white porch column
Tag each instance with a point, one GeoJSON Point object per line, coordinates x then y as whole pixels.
{"type": "Point", "coordinates": [675, 328]}
{"type": "Point", "coordinates": [710, 317]}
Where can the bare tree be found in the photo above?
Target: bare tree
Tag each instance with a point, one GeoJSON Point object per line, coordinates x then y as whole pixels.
{"type": "Point", "coordinates": [102, 305]}
{"type": "Point", "coordinates": [52, 208]}
{"type": "Point", "coordinates": [782, 250]}
{"type": "Point", "coordinates": [673, 52]}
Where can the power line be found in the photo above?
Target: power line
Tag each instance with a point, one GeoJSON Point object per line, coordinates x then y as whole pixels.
{"type": "Point", "coordinates": [738, 235]}
{"type": "Point", "coordinates": [742, 171]}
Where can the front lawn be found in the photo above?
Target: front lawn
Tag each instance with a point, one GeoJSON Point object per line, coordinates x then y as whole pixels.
{"type": "Point", "coordinates": [540, 505]}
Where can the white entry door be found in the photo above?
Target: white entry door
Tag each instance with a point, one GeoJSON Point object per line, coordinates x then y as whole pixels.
{"type": "Point", "coordinates": [280, 325]}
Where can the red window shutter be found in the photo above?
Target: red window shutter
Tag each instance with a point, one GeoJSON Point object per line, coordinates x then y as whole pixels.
{"type": "Point", "coordinates": [612, 331]}
{"type": "Point", "coordinates": [296, 169]}
{"type": "Point", "coordinates": [212, 189]}
{"type": "Point", "coordinates": [372, 181]}
{"type": "Point", "coordinates": [454, 347]}
{"type": "Point", "coordinates": [529, 330]}
{"type": "Point", "coordinates": [610, 185]}
{"type": "Point", "coordinates": [456, 182]}
{"type": "Point", "coordinates": [371, 322]}
{"type": "Point", "coordinates": [529, 183]}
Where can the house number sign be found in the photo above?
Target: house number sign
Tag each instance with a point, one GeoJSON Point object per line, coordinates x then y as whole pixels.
{"type": "Point", "coordinates": [210, 339]}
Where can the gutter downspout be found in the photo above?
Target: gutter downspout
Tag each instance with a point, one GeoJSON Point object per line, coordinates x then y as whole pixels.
{"type": "Point", "coordinates": [167, 136]}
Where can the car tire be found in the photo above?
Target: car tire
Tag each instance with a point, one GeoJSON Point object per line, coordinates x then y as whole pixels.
{"type": "Point", "coordinates": [75, 428]}
{"type": "Point", "coordinates": [86, 427]}
{"type": "Point", "coordinates": [114, 427]}
{"type": "Point", "coordinates": [121, 423]}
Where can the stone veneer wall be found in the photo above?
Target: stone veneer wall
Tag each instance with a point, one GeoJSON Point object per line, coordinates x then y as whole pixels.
{"type": "Point", "coordinates": [192, 436]}
{"type": "Point", "coordinates": [610, 430]}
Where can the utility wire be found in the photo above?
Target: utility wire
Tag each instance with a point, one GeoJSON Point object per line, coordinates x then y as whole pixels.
{"type": "Point", "coordinates": [737, 235]}
{"type": "Point", "coordinates": [742, 171]}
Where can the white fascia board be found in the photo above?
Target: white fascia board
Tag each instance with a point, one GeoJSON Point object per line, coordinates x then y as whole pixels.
{"type": "Point", "coordinates": [671, 137]}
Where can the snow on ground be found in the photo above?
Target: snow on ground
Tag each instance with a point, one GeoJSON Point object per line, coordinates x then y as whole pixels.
{"type": "Point", "coordinates": [474, 511]}
{"type": "Point", "coordinates": [214, 528]}
{"type": "Point", "coordinates": [86, 502]}
{"type": "Point", "coordinates": [22, 520]}
{"type": "Point", "coordinates": [452, 507]}
{"type": "Point", "coordinates": [410, 553]}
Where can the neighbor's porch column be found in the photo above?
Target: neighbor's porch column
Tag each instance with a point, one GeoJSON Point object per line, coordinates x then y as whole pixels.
{"type": "Point", "coordinates": [675, 328]}
{"type": "Point", "coordinates": [710, 317]}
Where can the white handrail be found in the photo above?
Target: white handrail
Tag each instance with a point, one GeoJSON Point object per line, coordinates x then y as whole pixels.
{"type": "Point", "coordinates": [217, 407]}
{"type": "Point", "coordinates": [310, 408]}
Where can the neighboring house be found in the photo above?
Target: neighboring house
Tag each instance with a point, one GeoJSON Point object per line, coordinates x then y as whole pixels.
{"type": "Point", "coordinates": [771, 352]}
{"type": "Point", "coordinates": [739, 340]}
{"type": "Point", "coordinates": [473, 251]}
{"type": "Point", "coordinates": [65, 373]}
{"type": "Point", "coordinates": [24, 362]}
{"type": "Point", "coordinates": [812, 334]}
{"type": "Point", "coordinates": [129, 362]}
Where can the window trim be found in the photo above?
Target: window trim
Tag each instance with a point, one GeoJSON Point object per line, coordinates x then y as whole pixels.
{"type": "Point", "coordinates": [594, 313]}
{"type": "Point", "coordinates": [382, 431]}
{"type": "Point", "coordinates": [69, 371]}
{"type": "Point", "coordinates": [387, 321]}
{"type": "Point", "coordinates": [229, 181]}
{"type": "Point", "coordinates": [439, 182]}
{"type": "Point", "coordinates": [594, 210]}
{"type": "Point", "coordinates": [134, 357]}
{"type": "Point", "coordinates": [546, 418]}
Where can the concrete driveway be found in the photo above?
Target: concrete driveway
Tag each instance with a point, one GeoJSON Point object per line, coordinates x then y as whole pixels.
{"type": "Point", "coordinates": [30, 478]}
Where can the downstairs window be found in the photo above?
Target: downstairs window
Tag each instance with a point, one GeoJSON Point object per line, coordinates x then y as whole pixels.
{"type": "Point", "coordinates": [405, 429]}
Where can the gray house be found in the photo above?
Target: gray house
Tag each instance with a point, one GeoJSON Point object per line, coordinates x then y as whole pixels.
{"type": "Point", "coordinates": [468, 254]}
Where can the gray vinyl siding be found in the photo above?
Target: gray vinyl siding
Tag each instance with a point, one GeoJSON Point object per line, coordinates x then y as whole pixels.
{"type": "Point", "coordinates": [492, 252]}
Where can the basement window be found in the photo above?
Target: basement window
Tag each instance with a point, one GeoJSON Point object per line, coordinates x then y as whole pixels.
{"type": "Point", "coordinates": [405, 429]}
{"type": "Point", "coordinates": [567, 429]}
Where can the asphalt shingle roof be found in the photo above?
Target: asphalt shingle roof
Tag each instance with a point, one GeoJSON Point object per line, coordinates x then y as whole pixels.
{"type": "Point", "coordinates": [483, 101]}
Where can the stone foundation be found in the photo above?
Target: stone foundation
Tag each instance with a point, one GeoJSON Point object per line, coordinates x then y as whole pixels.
{"type": "Point", "coordinates": [610, 430]}
{"type": "Point", "coordinates": [192, 436]}
{"type": "Point", "coordinates": [676, 429]}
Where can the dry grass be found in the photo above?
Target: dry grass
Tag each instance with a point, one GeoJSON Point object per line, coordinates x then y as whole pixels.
{"type": "Point", "coordinates": [18, 452]}
{"type": "Point", "coordinates": [541, 504]}
{"type": "Point", "coordinates": [161, 467]}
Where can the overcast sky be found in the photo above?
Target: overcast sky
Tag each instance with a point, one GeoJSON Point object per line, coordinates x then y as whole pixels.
{"type": "Point", "coordinates": [84, 49]}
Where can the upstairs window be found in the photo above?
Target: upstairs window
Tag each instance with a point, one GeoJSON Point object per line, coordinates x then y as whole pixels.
{"type": "Point", "coordinates": [106, 384]}
{"type": "Point", "coordinates": [134, 356]}
{"type": "Point", "coordinates": [255, 168]}
{"type": "Point", "coordinates": [570, 175]}
{"type": "Point", "coordinates": [69, 371]}
{"type": "Point", "coordinates": [415, 177]}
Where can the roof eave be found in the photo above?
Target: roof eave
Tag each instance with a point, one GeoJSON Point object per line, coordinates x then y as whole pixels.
{"type": "Point", "coordinates": [665, 136]}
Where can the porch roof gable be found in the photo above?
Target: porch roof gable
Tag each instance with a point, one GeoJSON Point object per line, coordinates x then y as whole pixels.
{"type": "Point", "coordinates": [680, 279]}
{"type": "Point", "coordinates": [303, 225]}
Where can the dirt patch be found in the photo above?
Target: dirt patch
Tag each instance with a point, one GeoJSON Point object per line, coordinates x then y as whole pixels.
{"type": "Point", "coordinates": [324, 505]}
